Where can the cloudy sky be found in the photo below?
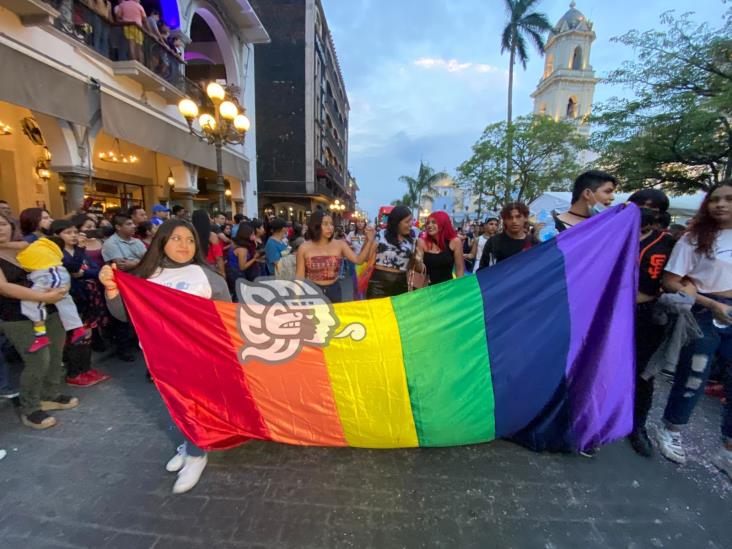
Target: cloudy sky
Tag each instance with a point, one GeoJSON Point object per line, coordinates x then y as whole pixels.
{"type": "Point", "coordinates": [425, 77]}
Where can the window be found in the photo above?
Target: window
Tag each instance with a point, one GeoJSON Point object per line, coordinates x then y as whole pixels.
{"type": "Point", "coordinates": [572, 108]}
{"type": "Point", "coordinates": [549, 67]}
{"type": "Point", "coordinates": [577, 59]}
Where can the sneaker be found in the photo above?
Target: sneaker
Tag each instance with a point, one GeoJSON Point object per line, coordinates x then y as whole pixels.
{"type": "Point", "coordinates": [38, 420]}
{"type": "Point", "coordinates": [641, 443]}
{"type": "Point", "coordinates": [39, 343]}
{"type": "Point", "coordinates": [177, 462]}
{"type": "Point", "coordinates": [99, 376]}
{"type": "Point", "coordinates": [78, 335]}
{"type": "Point", "coordinates": [589, 452]}
{"type": "Point", "coordinates": [191, 473]}
{"type": "Point", "coordinates": [723, 461]}
{"type": "Point", "coordinates": [82, 380]}
{"type": "Point", "coordinates": [7, 392]}
{"type": "Point", "coordinates": [670, 445]}
{"type": "Point", "coordinates": [61, 402]}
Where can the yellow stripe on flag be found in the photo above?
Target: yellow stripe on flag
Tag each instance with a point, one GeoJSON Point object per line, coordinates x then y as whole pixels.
{"type": "Point", "coordinates": [372, 416]}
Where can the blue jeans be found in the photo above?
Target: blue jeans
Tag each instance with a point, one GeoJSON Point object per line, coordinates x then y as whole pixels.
{"type": "Point", "coordinates": [693, 370]}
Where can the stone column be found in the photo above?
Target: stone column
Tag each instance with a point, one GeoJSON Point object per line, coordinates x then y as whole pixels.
{"type": "Point", "coordinates": [186, 184]}
{"type": "Point", "coordinates": [74, 181]}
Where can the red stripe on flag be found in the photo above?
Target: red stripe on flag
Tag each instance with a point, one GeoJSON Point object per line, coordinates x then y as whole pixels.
{"type": "Point", "coordinates": [193, 362]}
{"type": "Point", "coordinates": [295, 398]}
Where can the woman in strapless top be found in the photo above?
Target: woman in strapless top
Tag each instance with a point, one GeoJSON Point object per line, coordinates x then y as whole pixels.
{"type": "Point", "coordinates": [319, 259]}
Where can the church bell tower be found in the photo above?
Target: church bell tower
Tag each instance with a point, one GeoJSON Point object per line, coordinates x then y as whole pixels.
{"type": "Point", "coordinates": [568, 84]}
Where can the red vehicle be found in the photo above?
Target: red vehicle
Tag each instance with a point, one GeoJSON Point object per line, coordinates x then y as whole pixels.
{"type": "Point", "coordinates": [384, 212]}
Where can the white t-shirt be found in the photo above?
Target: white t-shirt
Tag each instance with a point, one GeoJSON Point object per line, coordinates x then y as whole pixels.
{"type": "Point", "coordinates": [190, 279]}
{"type": "Point", "coordinates": [709, 275]}
{"type": "Point", "coordinates": [482, 239]}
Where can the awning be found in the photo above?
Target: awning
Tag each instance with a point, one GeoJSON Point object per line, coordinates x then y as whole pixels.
{"type": "Point", "coordinates": [65, 97]}
{"type": "Point", "coordinates": [129, 123]}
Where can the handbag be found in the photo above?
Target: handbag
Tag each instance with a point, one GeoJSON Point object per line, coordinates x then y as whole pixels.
{"type": "Point", "coordinates": [417, 278]}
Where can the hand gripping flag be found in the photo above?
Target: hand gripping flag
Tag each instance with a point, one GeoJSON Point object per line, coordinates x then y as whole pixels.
{"type": "Point", "coordinates": [539, 349]}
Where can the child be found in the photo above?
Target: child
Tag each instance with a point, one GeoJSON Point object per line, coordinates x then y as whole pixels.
{"type": "Point", "coordinates": [43, 259]}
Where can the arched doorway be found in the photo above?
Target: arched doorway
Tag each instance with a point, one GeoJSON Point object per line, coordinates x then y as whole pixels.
{"type": "Point", "coordinates": [210, 55]}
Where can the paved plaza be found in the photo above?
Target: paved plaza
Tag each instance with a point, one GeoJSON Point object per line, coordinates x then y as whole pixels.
{"type": "Point", "coordinates": [97, 480]}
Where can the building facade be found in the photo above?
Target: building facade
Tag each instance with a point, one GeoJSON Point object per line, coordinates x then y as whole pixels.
{"type": "Point", "coordinates": [567, 86]}
{"type": "Point", "coordinates": [302, 113]}
{"type": "Point", "coordinates": [90, 104]}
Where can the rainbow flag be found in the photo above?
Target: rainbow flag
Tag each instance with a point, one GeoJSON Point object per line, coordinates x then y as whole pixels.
{"type": "Point", "coordinates": [538, 349]}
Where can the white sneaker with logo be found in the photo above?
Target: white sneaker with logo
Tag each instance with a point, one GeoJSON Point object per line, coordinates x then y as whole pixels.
{"type": "Point", "coordinates": [723, 461]}
{"type": "Point", "coordinates": [191, 473]}
{"type": "Point", "coordinates": [670, 445]}
{"type": "Point", "coordinates": [177, 462]}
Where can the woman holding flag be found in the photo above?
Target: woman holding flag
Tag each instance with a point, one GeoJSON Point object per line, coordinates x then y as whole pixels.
{"type": "Point", "coordinates": [175, 260]}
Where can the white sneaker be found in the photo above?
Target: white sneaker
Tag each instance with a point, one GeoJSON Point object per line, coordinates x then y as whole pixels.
{"type": "Point", "coordinates": [190, 474]}
{"type": "Point", "coordinates": [177, 462]}
{"type": "Point", "coordinates": [670, 445]}
{"type": "Point", "coordinates": [723, 461]}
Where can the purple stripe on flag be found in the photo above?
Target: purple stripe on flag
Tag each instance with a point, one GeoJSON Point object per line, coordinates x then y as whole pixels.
{"type": "Point", "coordinates": [601, 268]}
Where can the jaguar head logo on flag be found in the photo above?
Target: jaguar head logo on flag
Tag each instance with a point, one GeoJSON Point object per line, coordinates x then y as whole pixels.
{"type": "Point", "coordinates": [277, 318]}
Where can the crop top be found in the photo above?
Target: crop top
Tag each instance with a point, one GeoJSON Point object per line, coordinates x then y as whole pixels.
{"type": "Point", "coordinates": [394, 257]}
{"type": "Point", "coordinates": [322, 268]}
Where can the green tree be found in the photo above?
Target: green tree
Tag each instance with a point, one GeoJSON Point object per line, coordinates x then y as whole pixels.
{"type": "Point", "coordinates": [417, 186]}
{"type": "Point", "coordinates": [676, 129]}
{"type": "Point", "coordinates": [544, 158]}
{"type": "Point", "coordinates": [522, 24]}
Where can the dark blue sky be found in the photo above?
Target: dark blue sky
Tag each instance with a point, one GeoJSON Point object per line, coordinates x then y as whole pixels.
{"type": "Point", "coordinates": [425, 77]}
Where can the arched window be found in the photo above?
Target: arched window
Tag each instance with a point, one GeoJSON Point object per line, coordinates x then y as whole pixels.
{"type": "Point", "coordinates": [572, 108]}
{"type": "Point", "coordinates": [577, 59]}
{"type": "Point", "coordinates": [549, 67]}
{"type": "Point", "coordinates": [542, 108]}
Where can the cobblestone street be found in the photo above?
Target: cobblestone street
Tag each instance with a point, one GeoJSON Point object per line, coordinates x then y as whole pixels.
{"type": "Point", "coordinates": [98, 480]}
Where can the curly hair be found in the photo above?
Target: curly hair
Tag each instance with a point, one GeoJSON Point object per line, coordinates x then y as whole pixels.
{"type": "Point", "coordinates": [704, 229]}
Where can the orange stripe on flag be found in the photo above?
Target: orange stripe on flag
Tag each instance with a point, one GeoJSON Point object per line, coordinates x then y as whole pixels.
{"type": "Point", "coordinates": [295, 398]}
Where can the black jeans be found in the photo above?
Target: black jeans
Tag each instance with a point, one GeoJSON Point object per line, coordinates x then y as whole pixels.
{"type": "Point", "coordinates": [123, 336]}
{"type": "Point", "coordinates": [77, 358]}
{"type": "Point", "coordinates": [648, 337]}
{"type": "Point", "coordinates": [386, 284]}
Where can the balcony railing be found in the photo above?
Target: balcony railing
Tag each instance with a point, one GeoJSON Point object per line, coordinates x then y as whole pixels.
{"type": "Point", "coordinates": [119, 42]}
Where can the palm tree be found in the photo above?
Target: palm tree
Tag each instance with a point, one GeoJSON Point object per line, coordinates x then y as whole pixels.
{"type": "Point", "coordinates": [424, 182]}
{"type": "Point", "coordinates": [521, 23]}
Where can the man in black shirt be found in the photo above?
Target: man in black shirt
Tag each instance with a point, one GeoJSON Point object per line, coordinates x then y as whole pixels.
{"type": "Point", "coordinates": [655, 250]}
{"type": "Point", "coordinates": [513, 240]}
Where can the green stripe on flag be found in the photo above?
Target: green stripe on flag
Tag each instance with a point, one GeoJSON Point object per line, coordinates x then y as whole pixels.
{"type": "Point", "coordinates": [445, 352]}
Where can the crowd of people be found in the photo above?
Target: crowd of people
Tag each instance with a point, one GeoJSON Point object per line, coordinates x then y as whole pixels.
{"type": "Point", "coordinates": [117, 30]}
{"type": "Point", "coordinates": [59, 301]}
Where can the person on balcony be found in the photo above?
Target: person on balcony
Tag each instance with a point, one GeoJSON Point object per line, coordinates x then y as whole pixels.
{"type": "Point", "coordinates": [132, 12]}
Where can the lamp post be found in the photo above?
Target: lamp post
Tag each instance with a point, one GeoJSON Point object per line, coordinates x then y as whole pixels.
{"type": "Point", "coordinates": [227, 125]}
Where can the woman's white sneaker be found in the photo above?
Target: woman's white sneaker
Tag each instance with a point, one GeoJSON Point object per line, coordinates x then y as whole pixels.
{"type": "Point", "coordinates": [190, 474]}
{"type": "Point", "coordinates": [670, 445]}
{"type": "Point", "coordinates": [177, 462]}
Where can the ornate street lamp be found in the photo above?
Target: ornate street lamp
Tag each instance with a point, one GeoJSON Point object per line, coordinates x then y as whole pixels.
{"type": "Point", "coordinates": [226, 125]}
{"type": "Point", "coordinates": [337, 208]}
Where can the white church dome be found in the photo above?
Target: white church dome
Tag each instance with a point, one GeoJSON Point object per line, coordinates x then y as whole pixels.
{"type": "Point", "coordinates": [573, 19]}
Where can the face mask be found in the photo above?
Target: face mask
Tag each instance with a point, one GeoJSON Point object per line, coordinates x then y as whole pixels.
{"type": "Point", "coordinates": [597, 209]}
